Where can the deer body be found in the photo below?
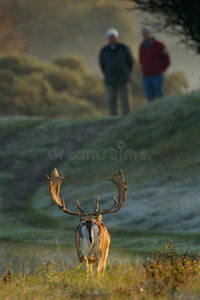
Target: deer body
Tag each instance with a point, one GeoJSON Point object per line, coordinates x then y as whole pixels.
{"type": "Point", "coordinates": [92, 237]}
{"type": "Point", "coordinates": [92, 243]}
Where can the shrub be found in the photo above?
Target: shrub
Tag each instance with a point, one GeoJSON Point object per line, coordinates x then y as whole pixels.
{"type": "Point", "coordinates": [71, 62]}
{"type": "Point", "coordinates": [31, 87]}
{"type": "Point", "coordinates": [63, 104]}
{"type": "Point", "coordinates": [64, 80]}
{"type": "Point", "coordinates": [21, 64]}
{"type": "Point", "coordinates": [93, 90]}
{"type": "Point", "coordinates": [176, 83]}
{"type": "Point", "coordinates": [168, 270]}
{"type": "Point", "coordinates": [6, 77]}
{"type": "Point", "coordinates": [34, 96]}
{"type": "Point", "coordinates": [30, 95]}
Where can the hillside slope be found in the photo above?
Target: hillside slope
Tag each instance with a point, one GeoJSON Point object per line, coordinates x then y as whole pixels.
{"type": "Point", "coordinates": [163, 188]}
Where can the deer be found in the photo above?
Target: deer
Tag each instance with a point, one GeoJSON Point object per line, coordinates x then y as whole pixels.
{"type": "Point", "coordinates": [92, 238]}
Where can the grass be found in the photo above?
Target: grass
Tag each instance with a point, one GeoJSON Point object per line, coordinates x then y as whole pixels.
{"type": "Point", "coordinates": [162, 190]}
{"type": "Point", "coordinates": [50, 281]}
{"type": "Point", "coordinates": [53, 275]}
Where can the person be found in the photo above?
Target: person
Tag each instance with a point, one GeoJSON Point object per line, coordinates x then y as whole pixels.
{"type": "Point", "coordinates": [116, 63]}
{"type": "Point", "coordinates": [154, 60]}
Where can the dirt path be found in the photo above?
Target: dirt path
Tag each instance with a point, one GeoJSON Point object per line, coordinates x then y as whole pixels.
{"type": "Point", "coordinates": [21, 156]}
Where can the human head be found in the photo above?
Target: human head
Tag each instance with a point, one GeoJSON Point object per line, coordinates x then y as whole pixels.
{"type": "Point", "coordinates": [113, 36]}
{"type": "Point", "coordinates": [147, 33]}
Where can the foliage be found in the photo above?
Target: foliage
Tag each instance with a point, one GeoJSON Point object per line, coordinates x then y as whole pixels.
{"type": "Point", "coordinates": [175, 83]}
{"type": "Point", "coordinates": [168, 270]}
{"type": "Point", "coordinates": [93, 90]}
{"type": "Point", "coordinates": [30, 95]}
{"type": "Point", "coordinates": [71, 62]}
{"type": "Point", "coordinates": [21, 64]}
{"type": "Point", "coordinates": [65, 80]}
{"type": "Point", "coordinates": [31, 87]}
{"type": "Point", "coordinates": [180, 18]}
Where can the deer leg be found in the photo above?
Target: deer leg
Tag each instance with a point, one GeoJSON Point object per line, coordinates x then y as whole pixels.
{"type": "Point", "coordinates": [85, 260]}
{"type": "Point", "coordinates": [91, 269]}
{"type": "Point", "coordinates": [101, 265]}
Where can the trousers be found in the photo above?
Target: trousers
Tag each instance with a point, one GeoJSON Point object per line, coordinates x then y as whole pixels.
{"type": "Point", "coordinates": [153, 87]}
{"type": "Point", "coordinates": [112, 92]}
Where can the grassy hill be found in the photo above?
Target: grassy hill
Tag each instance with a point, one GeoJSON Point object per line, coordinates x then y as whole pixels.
{"type": "Point", "coordinates": [163, 173]}
{"type": "Point", "coordinates": [156, 147]}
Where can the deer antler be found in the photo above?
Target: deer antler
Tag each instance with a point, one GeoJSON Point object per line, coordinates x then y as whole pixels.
{"type": "Point", "coordinates": [118, 179]}
{"type": "Point", "coordinates": [55, 182]}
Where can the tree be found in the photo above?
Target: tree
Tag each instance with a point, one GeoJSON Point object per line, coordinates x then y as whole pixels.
{"type": "Point", "coordinates": [177, 17]}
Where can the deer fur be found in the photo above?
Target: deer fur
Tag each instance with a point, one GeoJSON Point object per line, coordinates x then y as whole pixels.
{"type": "Point", "coordinates": [92, 243]}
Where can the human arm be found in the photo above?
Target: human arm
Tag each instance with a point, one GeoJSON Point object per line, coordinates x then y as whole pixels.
{"type": "Point", "coordinates": [165, 57]}
{"type": "Point", "coordinates": [129, 59]}
{"type": "Point", "coordinates": [140, 55]}
{"type": "Point", "coordinates": [101, 61]}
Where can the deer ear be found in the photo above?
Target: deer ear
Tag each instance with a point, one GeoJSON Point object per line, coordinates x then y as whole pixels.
{"type": "Point", "coordinates": [99, 217]}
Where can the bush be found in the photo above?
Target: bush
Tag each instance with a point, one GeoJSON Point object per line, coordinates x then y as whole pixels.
{"type": "Point", "coordinates": [64, 80]}
{"type": "Point", "coordinates": [93, 90]}
{"type": "Point", "coordinates": [169, 270]}
{"type": "Point", "coordinates": [29, 95]}
{"type": "Point", "coordinates": [6, 77]}
{"type": "Point", "coordinates": [21, 64]}
{"type": "Point", "coordinates": [33, 95]}
{"type": "Point", "coordinates": [71, 62]}
{"type": "Point", "coordinates": [31, 87]}
{"type": "Point", "coordinates": [176, 83]}
{"type": "Point", "coordinates": [69, 106]}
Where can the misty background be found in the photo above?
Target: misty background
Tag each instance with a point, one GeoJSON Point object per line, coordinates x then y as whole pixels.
{"type": "Point", "coordinates": [50, 52]}
{"type": "Point", "coordinates": [50, 29]}
{"type": "Point", "coordinates": [52, 100]}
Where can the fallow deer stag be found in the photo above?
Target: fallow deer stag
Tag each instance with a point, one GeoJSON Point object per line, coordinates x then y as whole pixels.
{"type": "Point", "coordinates": [92, 237]}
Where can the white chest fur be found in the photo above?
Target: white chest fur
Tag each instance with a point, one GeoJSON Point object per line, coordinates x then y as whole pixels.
{"type": "Point", "coordinates": [89, 240]}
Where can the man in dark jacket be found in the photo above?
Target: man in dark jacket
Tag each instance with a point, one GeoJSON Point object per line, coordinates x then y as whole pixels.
{"type": "Point", "coordinates": [116, 62]}
{"type": "Point", "coordinates": [154, 60]}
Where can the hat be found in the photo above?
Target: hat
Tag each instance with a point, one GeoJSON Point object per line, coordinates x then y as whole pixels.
{"type": "Point", "coordinates": [112, 31]}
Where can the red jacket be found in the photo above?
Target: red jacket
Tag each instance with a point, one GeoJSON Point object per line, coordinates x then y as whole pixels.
{"type": "Point", "coordinates": [154, 58]}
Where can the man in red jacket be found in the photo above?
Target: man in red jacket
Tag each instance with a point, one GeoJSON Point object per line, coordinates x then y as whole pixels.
{"type": "Point", "coordinates": [154, 60]}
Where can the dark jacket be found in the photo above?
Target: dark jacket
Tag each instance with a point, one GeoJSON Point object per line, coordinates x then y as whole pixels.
{"type": "Point", "coordinates": [116, 64]}
{"type": "Point", "coordinates": [154, 58]}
